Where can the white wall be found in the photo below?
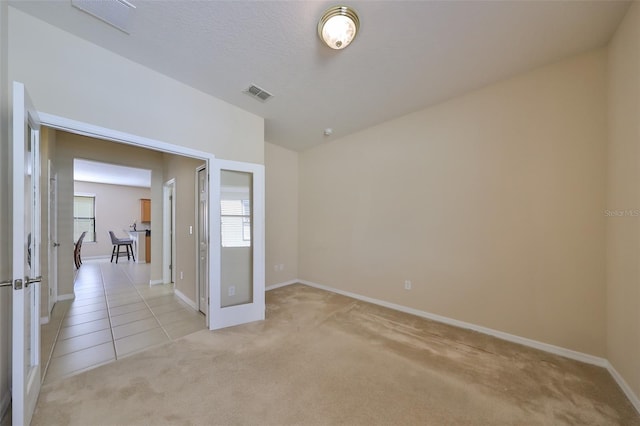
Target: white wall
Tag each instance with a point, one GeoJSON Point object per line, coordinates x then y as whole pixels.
{"type": "Point", "coordinates": [623, 194]}
{"type": "Point", "coordinates": [490, 203]}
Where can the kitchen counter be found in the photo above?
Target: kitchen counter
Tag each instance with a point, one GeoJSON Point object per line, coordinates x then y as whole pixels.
{"type": "Point", "coordinates": [139, 246]}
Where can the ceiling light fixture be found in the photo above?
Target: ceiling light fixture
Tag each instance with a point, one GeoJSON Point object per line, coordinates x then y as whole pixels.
{"type": "Point", "coordinates": [338, 26]}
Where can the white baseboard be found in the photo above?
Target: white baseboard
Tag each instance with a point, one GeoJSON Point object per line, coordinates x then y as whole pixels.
{"type": "Point", "coordinates": [568, 353]}
{"type": "Point", "coordinates": [185, 299]}
{"type": "Point", "coordinates": [557, 350]}
{"type": "Point", "coordinates": [62, 297]}
{"type": "Point", "coordinates": [5, 402]}
{"type": "Point", "coordinates": [278, 285]}
{"type": "Point", "coordinates": [633, 398]}
{"type": "Point", "coordinates": [44, 320]}
{"type": "Point", "coordinates": [95, 257]}
{"type": "Point", "coordinates": [156, 282]}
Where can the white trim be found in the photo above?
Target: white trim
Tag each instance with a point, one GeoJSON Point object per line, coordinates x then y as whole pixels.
{"type": "Point", "coordinates": [156, 282]}
{"type": "Point", "coordinates": [278, 285]}
{"type": "Point", "coordinates": [185, 299]}
{"type": "Point", "coordinates": [44, 320]}
{"type": "Point", "coordinates": [567, 353]}
{"type": "Point", "coordinates": [69, 296]}
{"type": "Point", "coordinates": [633, 398]}
{"type": "Point", "coordinates": [94, 257]}
{"type": "Point", "coordinates": [86, 129]}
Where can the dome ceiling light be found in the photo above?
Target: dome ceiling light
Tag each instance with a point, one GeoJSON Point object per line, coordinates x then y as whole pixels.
{"type": "Point", "coordinates": [338, 26]}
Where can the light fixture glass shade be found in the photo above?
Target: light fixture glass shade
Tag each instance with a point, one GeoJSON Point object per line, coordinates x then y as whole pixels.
{"type": "Point", "coordinates": [338, 26]}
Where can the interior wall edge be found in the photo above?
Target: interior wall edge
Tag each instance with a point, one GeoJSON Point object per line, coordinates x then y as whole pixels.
{"type": "Point", "coordinates": [633, 398]}
{"type": "Point", "coordinates": [185, 299]}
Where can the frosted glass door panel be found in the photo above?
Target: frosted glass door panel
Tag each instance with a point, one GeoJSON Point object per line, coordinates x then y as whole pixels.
{"type": "Point", "coordinates": [236, 237]}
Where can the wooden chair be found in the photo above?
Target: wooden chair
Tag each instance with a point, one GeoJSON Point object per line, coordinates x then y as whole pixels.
{"type": "Point", "coordinates": [120, 242]}
{"type": "Point", "coordinates": [77, 251]}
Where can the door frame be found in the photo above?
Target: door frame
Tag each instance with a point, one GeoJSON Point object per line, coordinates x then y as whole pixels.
{"type": "Point", "coordinates": [168, 231]}
{"type": "Point", "coordinates": [93, 131]}
{"type": "Point", "coordinates": [52, 220]}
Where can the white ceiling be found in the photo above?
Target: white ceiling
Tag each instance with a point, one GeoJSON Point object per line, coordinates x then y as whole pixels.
{"type": "Point", "coordinates": [93, 171]}
{"type": "Point", "coordinates": [407, 56]}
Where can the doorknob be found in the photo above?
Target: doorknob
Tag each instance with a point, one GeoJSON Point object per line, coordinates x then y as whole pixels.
{"type": "Point", "coordinates": [56, 244]}
{"type": "Point", "coordinates": [6, 283]}
{"type": "Point", "coordinates": [28, 280]}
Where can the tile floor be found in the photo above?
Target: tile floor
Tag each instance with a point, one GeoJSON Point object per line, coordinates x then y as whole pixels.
{"type": "Point", "coordinates": [115, 313]}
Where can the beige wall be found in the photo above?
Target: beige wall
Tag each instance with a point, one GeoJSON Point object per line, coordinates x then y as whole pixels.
{"type": "Point", "coordinates": [70, 146]}
{"type": "Point", "coordinates": [491, 204]}
{"type": "Point", "coordinates": [117, 207]}
{"type": "Point", "coordinates": [281, 205]}
{"type": "Point", "coordinates": [623, 194]}
{"type": "Point", "coordinates": [183, 170]}
{"type": "Point", "coordinates": [90, 84]}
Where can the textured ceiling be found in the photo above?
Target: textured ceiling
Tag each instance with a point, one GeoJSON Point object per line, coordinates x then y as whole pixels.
{"type": "Point", "coordinates": [407, 56]}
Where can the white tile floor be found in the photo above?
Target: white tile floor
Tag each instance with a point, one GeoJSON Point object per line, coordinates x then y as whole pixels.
{"type": "Point", "coordinates": [115, 313]}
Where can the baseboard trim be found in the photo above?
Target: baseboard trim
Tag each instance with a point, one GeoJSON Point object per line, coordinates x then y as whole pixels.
{"type": "Point", "coordinates": [278, 285]}
{"type": "Point", "coordinates": [156, 282]}
{"type": "Point", "coordinates": [185, 299]}
{"type": "Point", "coordinates": [62, 297]}
{"type": "Point", "coordinates": [5, 402]}
{"type": "Point", "coordinates": [546, 347]}
{"type": "Point", "coordinates": [633, 398]}
{"type": "Point", "coordinates": [95, 257]}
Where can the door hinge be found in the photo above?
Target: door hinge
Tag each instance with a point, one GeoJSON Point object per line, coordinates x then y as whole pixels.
{"type": "Point", "coordinates": [170, 267]}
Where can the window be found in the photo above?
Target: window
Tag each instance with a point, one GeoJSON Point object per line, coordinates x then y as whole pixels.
{"type": "Point", "coordinates": [236, 223]}
{"type": "Point", "coordinates": [84, 217]}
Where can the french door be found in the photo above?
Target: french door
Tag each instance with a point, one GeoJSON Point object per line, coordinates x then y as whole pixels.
{"type": "Point", "coordinates": [237, 244]}
{"type": "Point", "coordinates": [26, 257]}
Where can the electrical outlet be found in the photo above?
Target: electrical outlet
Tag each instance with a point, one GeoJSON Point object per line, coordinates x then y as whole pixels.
{"type": "Point", "coordinates": [407, 285]}
{"type": "Point", "coordinates": [232, 290]}
{"type": "Point", "coordinates": [181, 275]}
{"type": "Point", "coordinates": [281, 266]}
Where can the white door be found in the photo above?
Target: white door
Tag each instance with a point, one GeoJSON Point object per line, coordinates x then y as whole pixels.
{"type": "Point", "coordinates": [26, 258]}
{"type": "Point", "coordinates": [237, 244]}
{"type": "Point", "coordinates": [53, 237]}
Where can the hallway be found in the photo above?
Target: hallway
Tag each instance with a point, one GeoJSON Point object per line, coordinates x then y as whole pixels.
{"type": "Point", "coordinates": [115, 314]}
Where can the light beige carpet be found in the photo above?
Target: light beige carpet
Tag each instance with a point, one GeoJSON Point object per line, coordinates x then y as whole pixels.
{"type": "Point", "coordinates": [325, 359]}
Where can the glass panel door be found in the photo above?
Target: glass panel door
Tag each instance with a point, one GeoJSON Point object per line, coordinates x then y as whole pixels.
{"type": "Point", "coordinates": [237, 285]}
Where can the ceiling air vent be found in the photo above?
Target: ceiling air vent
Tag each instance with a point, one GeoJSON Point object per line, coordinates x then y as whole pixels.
{"type": "Point", "coordinates": [257, 93]}
{"type": "Point", "coordinates": [117, 13]}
